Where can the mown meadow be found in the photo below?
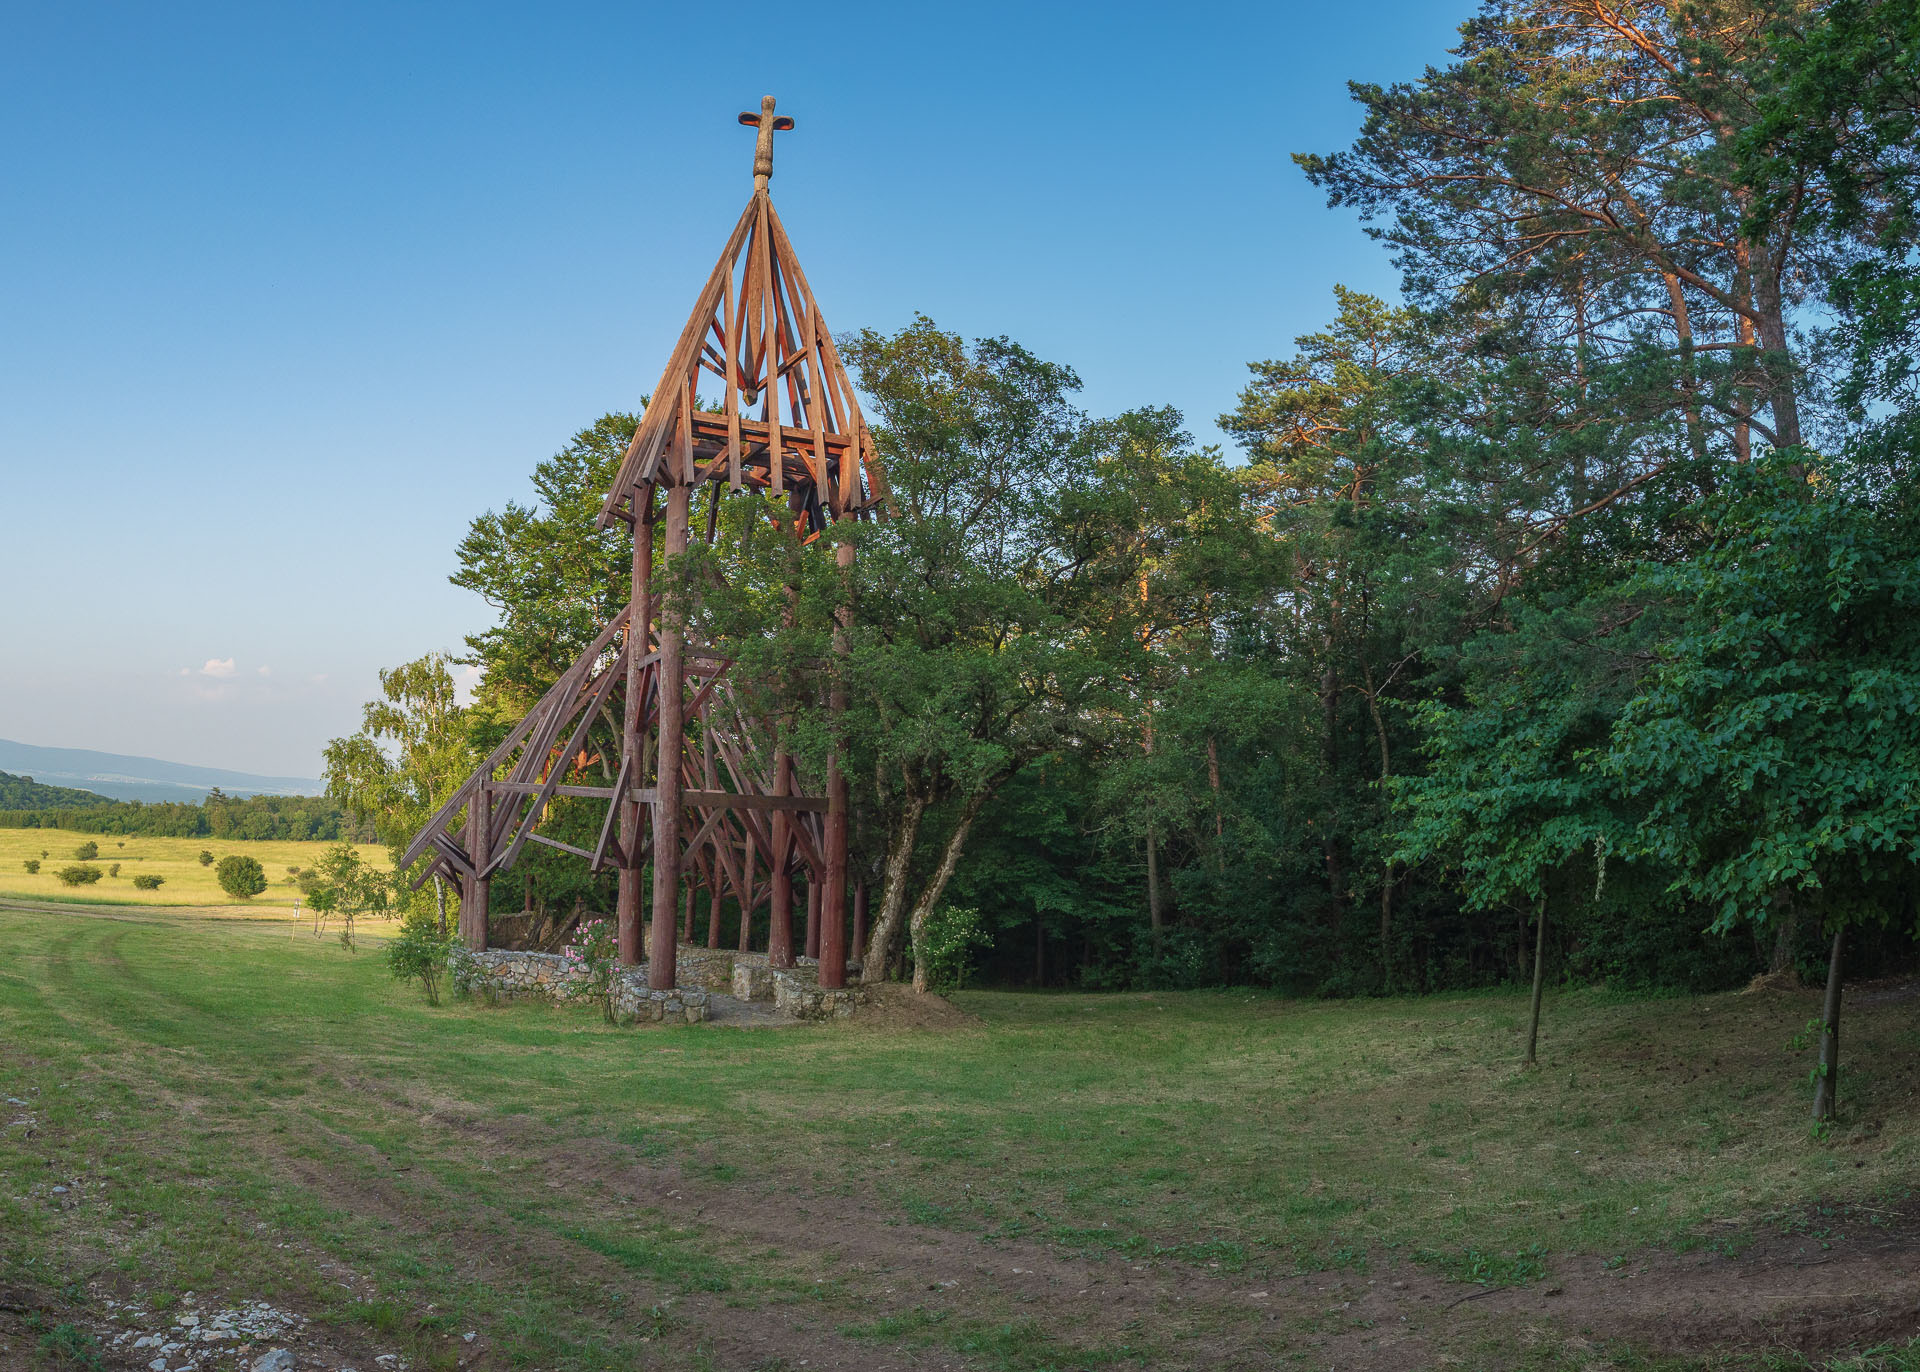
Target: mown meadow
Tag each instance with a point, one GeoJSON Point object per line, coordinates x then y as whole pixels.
{"type": "Point", "coordinates": [1041, 1181]}
{"type": "Point", "coordinates": [184, 879]}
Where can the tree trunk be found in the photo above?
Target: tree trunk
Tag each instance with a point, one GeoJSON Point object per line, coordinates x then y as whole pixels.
{"type": "Point", "coordinates": [1386, 884]}
{"type": "Point", "coordinates": [1778, 364]}
{"type": "Point", "coordinates": [1689, 380]}
{"type": "Point", "coordinates": [893, 892]}
{"type": "Point", "coordinates": [1386, 927]}
{"type": "Point", "coordinates": [860, 917]}
{"type": "Point", "coordinates": [1783, 940]}
{"type": "Point", "coordinates": [936, 887]}
{"type": "Point", "coordinates": [1156, 913]}
{"type": "Point", "coordinates": [1539, 978]}
{"type": "Point", "coordinates": [1826, 1081]}
{"type": "Point", "coordinates": [1219, 820]}
{"type": "Point", "coordinates": [1039, 952]}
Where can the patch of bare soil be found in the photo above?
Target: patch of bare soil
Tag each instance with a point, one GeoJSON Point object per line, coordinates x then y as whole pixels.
{"type": "Point", "coordinates": [1827, 1279]}
{"type": "Point", "coordinates": [893, 1006]}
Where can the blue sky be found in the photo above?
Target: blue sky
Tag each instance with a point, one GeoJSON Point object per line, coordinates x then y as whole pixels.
{"type": "Point", "coordinates": [288, 294]}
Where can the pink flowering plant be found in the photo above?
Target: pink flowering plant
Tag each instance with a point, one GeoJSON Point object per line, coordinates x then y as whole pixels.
{"type": "Point", "coordinates": [593, 955]}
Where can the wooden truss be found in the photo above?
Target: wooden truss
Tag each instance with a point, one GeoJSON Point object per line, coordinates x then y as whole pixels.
{"type": "Point", "coordinates": [733, 804]}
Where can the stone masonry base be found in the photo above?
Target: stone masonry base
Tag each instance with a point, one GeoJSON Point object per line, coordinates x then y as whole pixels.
{"type": "Point", "coordinates": [793, 990]}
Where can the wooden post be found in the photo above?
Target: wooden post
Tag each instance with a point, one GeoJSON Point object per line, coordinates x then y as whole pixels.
{"type": "Point", "coordinates": [833, 917]}
{"type": "Point", "coordinates": [667, 787]}
{"type": "Point", "coordinates": [713, 913]}
{"type": "Point", "coordinates": [1539, 980]}
{"type": "Point", "coordinates": [686, 917]}
{"type": "Point", "coordinates": [1826, 1080]}
{"type": "Point", "coordinates": [780, 879]}
{"type": "Point", "coordinates": [746, 898]}
{"type": "Point", "coordinates": [473, 910]}
{"type": "Point", "coordinates": [628, 916]}
{"type": "Point", "coordinates": [813, 918]}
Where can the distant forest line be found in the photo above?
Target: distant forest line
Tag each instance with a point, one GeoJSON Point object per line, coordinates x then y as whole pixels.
{"type": "Point", "coordinates": [28, 804]}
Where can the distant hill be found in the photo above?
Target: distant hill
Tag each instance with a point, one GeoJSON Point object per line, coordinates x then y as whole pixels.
{"type": "Point", "coordinates": [24, 793]}
{"type": "Point", "coordinates": [120, 777]}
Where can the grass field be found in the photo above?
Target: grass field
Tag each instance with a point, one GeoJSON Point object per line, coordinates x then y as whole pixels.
{"type": "Point", "coordinates": [1062, 1181]}
{"type": "Point", "coordinates": [177, 860]}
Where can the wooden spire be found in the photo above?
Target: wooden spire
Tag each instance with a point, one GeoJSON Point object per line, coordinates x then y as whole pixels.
{"type": "Point", "coordinates": [786, 419]}
{"type": "Point", "coordinates": [725, 797]}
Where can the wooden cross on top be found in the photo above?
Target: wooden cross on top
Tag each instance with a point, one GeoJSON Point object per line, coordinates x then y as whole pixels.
{"type": "Point", "coordinates": [763, 146]}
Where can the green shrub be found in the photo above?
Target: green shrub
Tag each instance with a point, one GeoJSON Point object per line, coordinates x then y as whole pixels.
{"type": "Point", "coordinates": [945, 944]}
{"type": "Point", "coordinates": [68, 1345]}
{"type": "Point", "coordinates": [147, 881]}
{"type": "Point", "coordinates": [113, 869]}
{"type": "Point", "coordinates": [206, 858]}
{"type": "Point", "coordinates": [79, 874]}
{"type": "Point", "coordinates": [33, 866]}
{"type": "Point", "coordinates": [241, 877]}
{"type": "Point", "coordinates": [87, 851]}
{"type": "Point", "coordinates": [347, 886]}
{"type": "Point", "coordinates": [419, 953]}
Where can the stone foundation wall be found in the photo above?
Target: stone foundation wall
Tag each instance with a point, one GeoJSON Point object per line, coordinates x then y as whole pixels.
{"type": "Point", "coordinates": [633, 1001]}
{"type": "Point", "coordinates": [708, 968]}
{"type": "Point", "coordinates": [502, 972]}
{"type": "Point", "coordinates": [796, 992]}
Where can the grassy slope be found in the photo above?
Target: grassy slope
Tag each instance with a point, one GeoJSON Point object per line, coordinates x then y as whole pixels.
{"type": "Point", "coordinates": [175, 859]}
{"type": "Point", "coordinates": [263, 1107]}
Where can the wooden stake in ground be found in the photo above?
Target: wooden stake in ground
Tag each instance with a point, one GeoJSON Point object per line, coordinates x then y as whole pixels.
{"type": "Point", "coordinates": [1826, 1076]}
{"type": "Point", "coordinates": [1539, 977]}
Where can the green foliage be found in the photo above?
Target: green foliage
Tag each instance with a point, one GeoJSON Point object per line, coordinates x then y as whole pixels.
{"type": "Point", "coordinates": [412, 749]}
{"type": "Point", "coordinates": [219, 816]}
{"type": "Point", "coordinates": [87, 851]}
{"type": "Point", "coordinates": [347, 886]}
{"type": "Point", "coordinates": [1490, 1268]}
{"type": "Point", "coordinates": [78, 874]}
{"type": "Point", "coordinates": [33, 866]}
{"type": "Point", "coordinates": [1836, 141]}
{"type": "Point", "coordinates": [1776, 746]}
{"type": "Point", "coordinates": [113, 869]}
{"type": "Point", "coordinates": [1514, 602]}
{"type": "Point", "coordinates": [206, 858]}
{"type": "Point", "coordinates": [418, 952]}
{"type": "Point", "coordinates": [68, 1345]}
{"type": "Point", "coordinates": [148, 881]}
{"type": "Point", "coordinates": [24, 793]}
{"type": "Point", "coordinates": [240, 876]}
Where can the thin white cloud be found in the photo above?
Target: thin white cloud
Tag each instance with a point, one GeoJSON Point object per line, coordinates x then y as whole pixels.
{"type": "Point", "coordinates": [266, 671]}
{"type": "Point", "coordinates": [218, 666]}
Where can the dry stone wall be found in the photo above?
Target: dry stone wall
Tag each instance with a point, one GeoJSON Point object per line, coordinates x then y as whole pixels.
{"type": "Point", "coordinates": [503, 972]}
